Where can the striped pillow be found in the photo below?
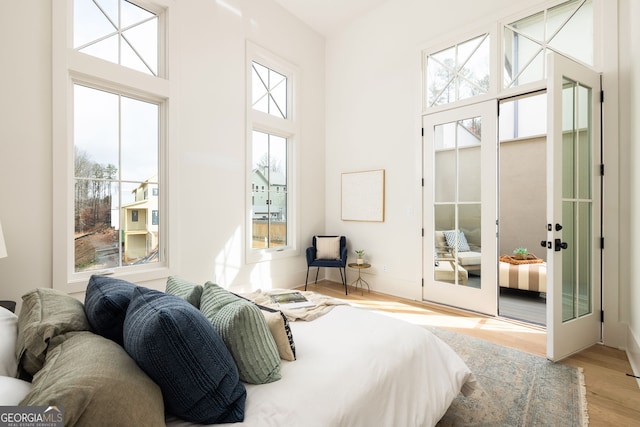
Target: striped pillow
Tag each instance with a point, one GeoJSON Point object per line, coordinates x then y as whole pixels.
{"type": "Point", "coordinates": [244, 331]}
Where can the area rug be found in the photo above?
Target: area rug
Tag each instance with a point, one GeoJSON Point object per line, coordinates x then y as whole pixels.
{"type": "Point", "coordinates": [515, 389]}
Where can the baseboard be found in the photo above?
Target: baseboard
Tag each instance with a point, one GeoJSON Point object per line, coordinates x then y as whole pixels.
{"type": "Point", "coordinates": [633, 353]}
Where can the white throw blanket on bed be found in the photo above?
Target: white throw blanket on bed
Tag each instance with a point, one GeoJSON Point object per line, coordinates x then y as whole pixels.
{"type": "Point", "coordinates": [322, 304]}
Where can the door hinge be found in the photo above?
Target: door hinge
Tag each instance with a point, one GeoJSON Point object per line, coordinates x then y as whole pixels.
{"type": "Point", "coordinates": [423, 282]}
{"type": "Point", "coordinates": [602, 96]}
{"type": "Point", "coordinates": [602, 243]}
{"type": "Point", "coordinates": [423, 232]}
{"type": "Point", "coordinates": [423, 182]}
{"type": "Point", "coordinates": [422, 131]}
{"type": "Point", "coordinates": [601, 316]}
{"type": "Point", "coordinates": [602, 169]}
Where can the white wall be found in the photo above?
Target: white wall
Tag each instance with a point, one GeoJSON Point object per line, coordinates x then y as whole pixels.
{"type": "Point", "coordinates": [208, 156]}
{"type": "Point", "coordinates": [630, 175]}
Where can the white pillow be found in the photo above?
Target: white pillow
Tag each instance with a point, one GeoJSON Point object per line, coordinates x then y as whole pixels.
{"type": "Point", "coordinates": [8, 338]}
{"type": "Point", "coordinates": [328, 247]}
{"type": "Point", "coordinates": [12, 391]}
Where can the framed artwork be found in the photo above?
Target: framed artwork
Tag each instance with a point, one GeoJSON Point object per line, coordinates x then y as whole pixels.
{"type": "Point", "coordinates": [363, 196]}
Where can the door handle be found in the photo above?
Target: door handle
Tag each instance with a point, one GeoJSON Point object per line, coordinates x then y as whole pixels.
{"type": "Point", "coordinates": [545, 244]}
{"type": "Point", "coordinates": [560, 245]}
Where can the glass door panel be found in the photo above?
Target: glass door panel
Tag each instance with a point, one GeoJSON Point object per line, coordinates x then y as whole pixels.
{"type": "Point", "coordinates": [460, 148]}
{"type": "Point", "coordinates": [573, 214]}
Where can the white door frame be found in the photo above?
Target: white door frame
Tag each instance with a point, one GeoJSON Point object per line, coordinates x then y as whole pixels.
{"type": "Point", "coordinates": [484, 299]}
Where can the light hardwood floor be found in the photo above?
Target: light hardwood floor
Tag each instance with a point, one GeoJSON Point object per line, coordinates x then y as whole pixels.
{"type": "Point", "coordinates": [613, 398]}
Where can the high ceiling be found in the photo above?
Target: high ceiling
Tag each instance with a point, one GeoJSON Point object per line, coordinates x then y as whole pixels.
{"type": "Point", "coordinates": [327, 16]}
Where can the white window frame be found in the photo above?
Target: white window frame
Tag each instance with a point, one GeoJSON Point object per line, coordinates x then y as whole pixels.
{"type": "Point", "coordinates": [71, 67]}
{"type": "Point", "coordinates": [287, 128]}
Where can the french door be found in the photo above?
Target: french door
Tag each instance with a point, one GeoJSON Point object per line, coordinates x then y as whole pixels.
{"type": "Point", "coordinates": [573, 208]}
{"type": "Point", "coordinates": [459, 207]}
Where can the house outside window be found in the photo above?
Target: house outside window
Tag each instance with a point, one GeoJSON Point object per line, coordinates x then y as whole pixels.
{"type": "Point", "coordinates": [271, 138]}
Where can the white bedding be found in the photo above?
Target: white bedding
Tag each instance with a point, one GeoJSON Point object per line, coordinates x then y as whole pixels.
{"type": "Point", "coordinates": [358, 368]}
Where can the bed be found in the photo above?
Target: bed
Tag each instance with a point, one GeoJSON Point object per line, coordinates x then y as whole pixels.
{"type": "Point", "coordinates": [358, 368]}
{"type": "Point", "coordinates": [353, 367]}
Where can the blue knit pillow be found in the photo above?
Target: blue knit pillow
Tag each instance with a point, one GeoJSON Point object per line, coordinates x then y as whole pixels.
{"type": "Point", "coordinates": [105, 304]}
{"type": "Point", "coordinates": [181, 351]}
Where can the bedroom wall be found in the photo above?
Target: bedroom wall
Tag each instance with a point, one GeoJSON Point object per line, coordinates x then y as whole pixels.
{"type": "Point", "coordinates": [208, 158]}
{"type": "Point", "coordinates": [629, 173]}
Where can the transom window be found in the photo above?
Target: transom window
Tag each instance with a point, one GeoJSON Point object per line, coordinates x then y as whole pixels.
{"type": "Point", "coordinates": [458, 72]}
{"type": "Point", "coordinates": [566, 29]}
{"type": "Point", "coordinates": [269, 91]}
{"type": "Point", "coordinates": [117, 31]}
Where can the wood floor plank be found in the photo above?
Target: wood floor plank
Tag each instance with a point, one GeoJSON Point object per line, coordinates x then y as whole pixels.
{"type": "Point", "coordinates": [613, 398]}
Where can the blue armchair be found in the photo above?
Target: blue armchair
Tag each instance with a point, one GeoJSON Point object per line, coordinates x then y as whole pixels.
{"type": "Point", "coordinates": [328, 251]}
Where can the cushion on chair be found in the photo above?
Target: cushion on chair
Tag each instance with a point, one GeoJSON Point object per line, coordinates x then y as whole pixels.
{"type": "Point", "coordinates": [460, 244]}
{"type": "Point", "coordinates": [327, 247]}
{"type": "Point", "coordinates": [469, 258]}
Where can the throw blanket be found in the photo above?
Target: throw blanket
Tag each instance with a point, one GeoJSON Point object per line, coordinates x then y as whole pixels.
{"type": "Point", "coordinates": [322, 304]}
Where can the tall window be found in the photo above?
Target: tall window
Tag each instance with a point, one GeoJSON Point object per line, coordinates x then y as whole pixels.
{"type": "Point", "coordinates": [110, 86]}
{"type": "Point", "coordinates": [116, 160]}
{"type": "Point", "coordinates": [271, 136]}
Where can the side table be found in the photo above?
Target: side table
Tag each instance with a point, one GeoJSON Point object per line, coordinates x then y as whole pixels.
{"type": "Point", "coordinates": [360, 281]}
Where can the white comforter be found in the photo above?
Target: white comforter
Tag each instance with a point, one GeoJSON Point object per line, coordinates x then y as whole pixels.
{"type": "Point", "coordinates": [358, 368]}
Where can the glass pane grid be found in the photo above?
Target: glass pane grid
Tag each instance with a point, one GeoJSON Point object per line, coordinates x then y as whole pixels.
{"type": "Point", "coordinates": [115, 180]}
{"type": "Point", "coordinates": [566, 29]}
{"type": "Point", "coordinates": [269, 91]}
{"type": "Point", "coordinates": [458, 72]}
{"type": "Point", "coordinates": [119, 32]}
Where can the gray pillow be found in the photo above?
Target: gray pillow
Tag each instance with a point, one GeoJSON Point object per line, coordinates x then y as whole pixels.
{"type": "Point", "coordinates": [96, 383]}
{"type": "Point", "coordinates": [45, 314]}
{"type": "Point", "coordinates": [245, 333]}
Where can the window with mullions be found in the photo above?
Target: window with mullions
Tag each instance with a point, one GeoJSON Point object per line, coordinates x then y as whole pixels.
{"type": "Point", "coordinates": [269, 91]}
{"type": "Point", "coordinates": [116, 162]}
{"type": "Point", "coordinates": [566, 29]}
{"type": "Point", "coordinates": [271, 135]}
{"type": "Point", "coordinates": [269, 198]}
{"type": "Point", "coordinates": [117, 31]}
{"type": "Point", "coordinates": [458, 72]}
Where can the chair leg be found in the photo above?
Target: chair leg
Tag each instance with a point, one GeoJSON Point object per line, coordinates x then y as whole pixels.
{"type": "Point", "coordinates": [343, 277]}
{"type": "Point", "coordinates": [307, 279]}
{"type": "Point", "coordinates": [317, 271]}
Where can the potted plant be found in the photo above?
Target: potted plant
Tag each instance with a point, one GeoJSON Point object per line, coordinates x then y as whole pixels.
{"type": "Point", "coordinates": [360, 254]}
{"type": "Point", "coordinates": [520, 253]}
